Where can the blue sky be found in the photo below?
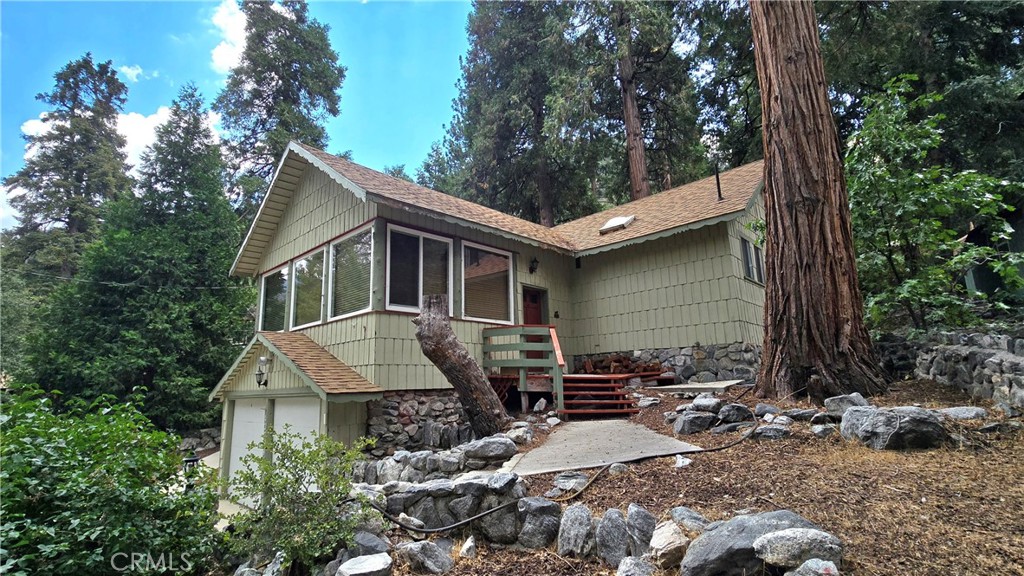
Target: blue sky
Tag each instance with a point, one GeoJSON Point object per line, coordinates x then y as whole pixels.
{"type": "Point", "coordinates": [402, 60]}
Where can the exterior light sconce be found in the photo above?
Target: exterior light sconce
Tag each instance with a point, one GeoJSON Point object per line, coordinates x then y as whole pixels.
{"type": "Point", "coordinates": [261, 372]}
{"type": "Point", "coordinates": [533, 265]}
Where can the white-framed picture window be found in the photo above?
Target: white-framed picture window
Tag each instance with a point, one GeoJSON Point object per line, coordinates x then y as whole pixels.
{"type": "Point", "coordinates": [486, 283]}
{"type": "Point", "coordinates": [274, 301]}
{"type": "Point", "coordinates": [351, 273]}
{"type": "Point", "coordinates": [419, 264]}
{"type": "Point", "coordinates": [308, 275]}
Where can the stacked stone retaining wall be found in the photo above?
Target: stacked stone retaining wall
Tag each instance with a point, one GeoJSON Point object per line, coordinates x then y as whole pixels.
{"type": "Point", "coordinates": [698, 363]}
{"type": "Point", "coordinates": [989, 366]}
{"type": "Point", "coordinates": [413, 420]}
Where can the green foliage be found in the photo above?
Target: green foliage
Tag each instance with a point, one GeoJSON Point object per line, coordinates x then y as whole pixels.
{"type": "Point", "coordinates": [285, 88]}
{"type": "Point", "coordinates": [152, 305]}
{"type": "Point", "coordinates": [909, 216]}
{"type": "Point", "coordinates": [77, 165]}
{"type": "Point", "coordinates": [83, 489]}
{"type": "Point", "coordinates": [301, 489]}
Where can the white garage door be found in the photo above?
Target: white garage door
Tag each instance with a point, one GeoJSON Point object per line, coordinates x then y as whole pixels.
{"type": "Point", "coordinates": [302, 415]}
{"type": "Point", "coordinates": [247, 427]}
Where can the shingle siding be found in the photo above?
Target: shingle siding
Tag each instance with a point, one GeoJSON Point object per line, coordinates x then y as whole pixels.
{"type": "Point", "coordinates": [675, 291]}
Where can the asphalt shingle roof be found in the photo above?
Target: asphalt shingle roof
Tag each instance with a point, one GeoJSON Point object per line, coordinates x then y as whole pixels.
{"type": "Point", "coordinates": [325, 370]}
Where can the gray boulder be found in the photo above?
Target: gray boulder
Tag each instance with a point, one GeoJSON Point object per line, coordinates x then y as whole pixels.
{"type": "Point", "coordinates": [735, 413]}
{"type": "Point", "coordinates": [500, 527]}
{"type": "Point", "coordinates": [836, 406]}
{"type": "Point", "coordinates": [372, 565]}
{"type": "Point", "coordinates": [963, 413]}
{"type": "Point", "coordinates": [815, 567]}
{"type": "Point", "coordinates": [612, 538]}
{"type": "Point", "coordinates": [274, 568]}
{"type": "Point", "coordinates": [728, 549]}
{"type": "Point", "coordinates": [792, 547]}
{"type": "Point", "coordinates": [497, 447]}
{"type": "Point", "coordinates": [640, 524]}
{"type": "Point", "coordinates": [571, 481]}
{"type": "Point", "coordinates": [801, 414]}
{"type": "Point", "coordinates": [771, 432]}
{"type": "Point", "coordinates": [668, 544]}
{"type": "Point", "coordinates": [761, 409]}
{"type": "Point", "coordinates": [689, 519]}
{"type": "Point", "coordinates": [468, 549]}
{"type": "Point", "coordinates": [706, 402]}
{"type": "Point", "coordinates": [904, 427]}
{"type": "Point", "coordinates": [366, 543]}
{"type": "Point", "coordinates": [728, 428]}
{"type": "Point", "coordinates": [823, 430]}
{"type": "Point", "coordinates": [540, 518]}
{"type": "Point", "coordinates": [631, 566]}
{"type": "Point", "coordinates": [576, 532]}
{"type": "Point", "coordinates": [691, 422]}
{"type": "Point", "coordinates": [520, 435]}
{"type": "Point", "coordinates": [426, 557]}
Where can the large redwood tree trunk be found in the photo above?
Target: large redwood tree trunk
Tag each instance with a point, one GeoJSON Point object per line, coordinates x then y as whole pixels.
{"type": "Point", "coordinates": [442, 347]}
{"type": "Point", "coordinates": [635, 154]}
{"type": "Point", "coordinates": [815, 339]}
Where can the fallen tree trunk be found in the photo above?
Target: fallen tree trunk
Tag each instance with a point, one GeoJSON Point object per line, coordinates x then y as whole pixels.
{"type": "Point", "coordinates": [440, 345]}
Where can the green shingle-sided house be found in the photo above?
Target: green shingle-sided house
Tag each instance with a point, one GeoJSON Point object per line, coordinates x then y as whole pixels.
{"type": "Point", "coordinates": [344, 254]}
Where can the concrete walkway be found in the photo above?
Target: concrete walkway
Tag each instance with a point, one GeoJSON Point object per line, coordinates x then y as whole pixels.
{"type": "Point", "coordinates": [592, 444]}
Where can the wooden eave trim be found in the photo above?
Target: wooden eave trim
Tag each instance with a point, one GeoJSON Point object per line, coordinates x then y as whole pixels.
{"type": "Point", "coordinates": [292, 366]}
{"type": "Point", "coordinates": [231, 371]}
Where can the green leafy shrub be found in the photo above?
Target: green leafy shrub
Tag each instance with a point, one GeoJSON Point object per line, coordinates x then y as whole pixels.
{"type": "Point", "coordinates": [294, 490]}
{"type": "Point", "coordinates": [96, 490]}
{"type": "Point", "coordinates": [910, 217]}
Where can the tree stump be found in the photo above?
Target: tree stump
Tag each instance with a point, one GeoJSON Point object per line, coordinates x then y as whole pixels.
{"type": "Point", "coordinates": [441, 346]}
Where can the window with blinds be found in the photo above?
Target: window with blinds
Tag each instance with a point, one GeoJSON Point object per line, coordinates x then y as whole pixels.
{"type": "Point", "coordinates": [418, 265]}
{"type": "Point", "coordinates": [351, 262]}
{"type": "Point", "coordinates": [275, 299]}
{"type": "Point", "coordinates": [308, 277]}
{"type": "Point", "coordinates": [486, 284]}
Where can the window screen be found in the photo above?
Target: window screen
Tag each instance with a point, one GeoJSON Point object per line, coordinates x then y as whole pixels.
{"type": "Point", "coordinates": [403, 270]}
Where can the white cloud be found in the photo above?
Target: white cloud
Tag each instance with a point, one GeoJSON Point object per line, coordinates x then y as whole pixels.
{"type": "Point", "coordinates": [33, 127]}
{"type": "Point", "coordinates": [131, 72]}
{"type": "Point", "coordinates": [230, 21]}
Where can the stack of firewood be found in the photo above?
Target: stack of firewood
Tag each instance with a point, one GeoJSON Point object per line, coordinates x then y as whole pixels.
{"type": "Point", "coordinates": [619, 364]}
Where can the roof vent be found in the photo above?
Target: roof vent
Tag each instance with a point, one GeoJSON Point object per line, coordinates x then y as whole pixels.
{"type": "Point", "coordinates": [616, 223]}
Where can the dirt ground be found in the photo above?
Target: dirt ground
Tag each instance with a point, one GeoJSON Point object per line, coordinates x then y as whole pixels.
{"type": "Point", "coordinates": [955, 511]}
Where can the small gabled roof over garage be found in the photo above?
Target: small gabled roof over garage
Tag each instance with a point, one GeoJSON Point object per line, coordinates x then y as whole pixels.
{"type": "Point", "coordinates": [325, 374]}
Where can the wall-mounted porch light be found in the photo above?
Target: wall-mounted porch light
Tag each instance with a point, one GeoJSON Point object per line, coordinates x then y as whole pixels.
{"type": "Point", "coordinates": [533, 265]}
{"type": "Point", "coordinates": [261, 372]}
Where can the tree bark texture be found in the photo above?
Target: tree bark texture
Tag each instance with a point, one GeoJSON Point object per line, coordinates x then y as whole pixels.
{"type": "Point", "coordinates": [813, 315]}
{"type": "Point", "coordinates": [638, 185]}
{"type": "Point", "coordinates": [442, 347]}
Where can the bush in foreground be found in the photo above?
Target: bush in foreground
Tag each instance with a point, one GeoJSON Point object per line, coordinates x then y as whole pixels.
{"type": "Point", "coordinates": [97, 490]}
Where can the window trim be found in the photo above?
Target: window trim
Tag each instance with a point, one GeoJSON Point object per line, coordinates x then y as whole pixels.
{"type": "Point", "coordinates": [263, 301]}
{"type": "Point", "coordinates": [295, 292]}
{"type": "Point", "coordinates": [511, 283]}
{"type": "Point", "coordinates": [330, 285]}
{"type": "Point", "coordinates": [419, 276]}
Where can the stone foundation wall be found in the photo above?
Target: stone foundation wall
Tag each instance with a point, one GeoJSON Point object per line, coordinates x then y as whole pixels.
{"type": "Point", "coordinates": [413, 420]}
{"type": "Point", "coordinates": [736, 361]}
{"type": "Point", "coordinates": [983, 365]}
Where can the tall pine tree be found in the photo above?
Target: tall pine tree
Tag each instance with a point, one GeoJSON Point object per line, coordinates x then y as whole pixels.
{"type": "Point", "coordinates": [152, 304]}
{"type": "Point", "coordinates": [76, 165]}
{"type": "Point", "coordinates": [285, 88]}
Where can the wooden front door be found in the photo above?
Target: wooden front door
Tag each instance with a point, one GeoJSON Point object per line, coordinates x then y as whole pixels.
{"type": "Point", "coordinates": [533, 313]}
{"type": "Point", "coordinates": [533, 306]}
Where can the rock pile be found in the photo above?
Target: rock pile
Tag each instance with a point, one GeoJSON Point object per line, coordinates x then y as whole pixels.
{"type": "Point", "coordinates": [205, 439]}
{"type": "Point", "coordinates": [405, 466]}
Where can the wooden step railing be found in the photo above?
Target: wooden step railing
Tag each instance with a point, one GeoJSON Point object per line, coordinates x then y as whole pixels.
{"type": "Point", "coordinates": [511, 347]}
